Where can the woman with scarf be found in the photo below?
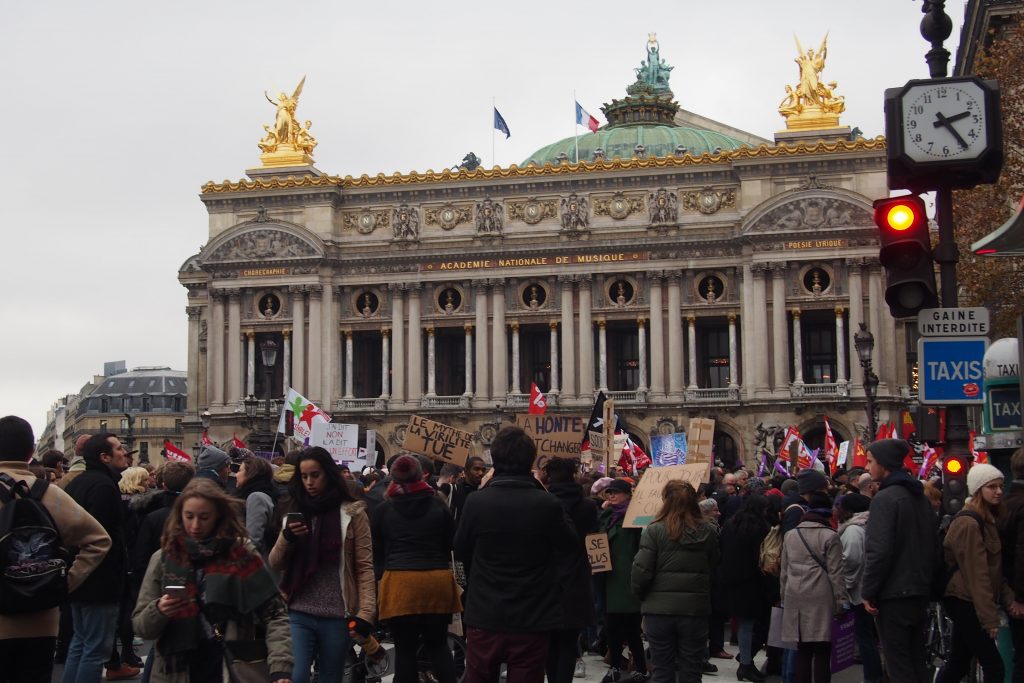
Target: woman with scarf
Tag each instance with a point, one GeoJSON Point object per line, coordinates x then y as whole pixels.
{"type": "Point", "coordinates": [227, 592]}
{"type": "Point", "coordinates": [327, 564]}
{"type": "Point", "coordinates": [413, 531]}
{"type": "Point", "coordinates": [254, 484]}
{"type": "Point", "coordinates": [851, 513]}
{"type": "Point", "coordinates": [813, 589]}
{"type": "Point", "coordinates": [622, 621]}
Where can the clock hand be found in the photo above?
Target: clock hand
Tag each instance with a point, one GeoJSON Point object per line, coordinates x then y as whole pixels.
{"type": "Point", "coordinates": [955, 117]}
{"type": "Point", "coordinates": [941, 120]}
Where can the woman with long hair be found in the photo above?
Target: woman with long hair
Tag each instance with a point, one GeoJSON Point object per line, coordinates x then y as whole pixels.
{"type": "Point", "coordinates": [672, 576]}
{"type": "Point", "coordinates": [254, 484]}
{"type": "Point", "coordinates": [413, 531]}
{"type": "Point", "coordinates": [208, 581]}
{"type": "Point", "coordinates": [326, 557]}
{"type": "Point", "coordinates": [977, 588]}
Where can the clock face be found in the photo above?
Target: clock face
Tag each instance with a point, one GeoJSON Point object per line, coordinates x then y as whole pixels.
{"type": "Point", "coordinates": [944, 122]}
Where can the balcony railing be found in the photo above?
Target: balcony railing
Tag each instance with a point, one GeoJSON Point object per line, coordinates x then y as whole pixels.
{"type": "Point", "coordinates": [713, 394]}
{"type": "Point", "coordinates": [636, 396]}
{"type": "Point", "coordinates": [363, 404]}
{"type": "Point", "coordinates": [836, 389]}
{"type": "Point", "coordinates": [460, 401]}
{"type": "Point", "coordinates": [523, 400]}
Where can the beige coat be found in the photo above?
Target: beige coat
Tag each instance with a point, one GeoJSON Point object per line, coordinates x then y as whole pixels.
{"type": "Point", "coordinates": [78, 529]}
{"type": "Point", "coordinates": [811, 596]}
{"type": "Point", "coordinates": [358, 583]}
{"type": "Point", "coordinates": [979, 576]}
{"type": "Point", "coordinates": [149, 623]}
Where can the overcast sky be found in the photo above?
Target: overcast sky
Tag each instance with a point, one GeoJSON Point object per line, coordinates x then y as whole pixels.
{"type": "Point", "coordinates": [117, 112]}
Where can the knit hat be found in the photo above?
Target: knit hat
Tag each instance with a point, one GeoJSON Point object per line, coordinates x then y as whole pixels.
{"type": "Point", "coordinates": [889, 453]}
{"type": "Point", "coordinates": [406, 469]}
{"type": "Point", "coordinates": [212, 458]}
{"type": "Point", "coordinates": [854, 503]}
{"type": "Point", "coordinates": [811, 480]}
{"type": "Point", "coordinates": [789, 487]}
{"type": "Point", "coordinates": [620, 486]}
{"type": "Point", "coordinates": [600, 485]}
{"type": "Point", "coordinates": [980, 475]}
{"type": "Point", "coordinates": [756, 485]}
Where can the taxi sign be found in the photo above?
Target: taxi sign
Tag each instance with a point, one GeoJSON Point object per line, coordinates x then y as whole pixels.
{"type": "Point", "coordinates": [951, 370]}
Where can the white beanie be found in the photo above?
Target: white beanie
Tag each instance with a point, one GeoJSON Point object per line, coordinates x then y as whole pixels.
{"type": "Point", "coordinates": [980, 475]}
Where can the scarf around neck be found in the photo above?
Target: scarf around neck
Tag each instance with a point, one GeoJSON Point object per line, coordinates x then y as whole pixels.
{"type": "Point", "coordinates": [322, 546]}
{"type": "Point", "coordinates": [396, 489]}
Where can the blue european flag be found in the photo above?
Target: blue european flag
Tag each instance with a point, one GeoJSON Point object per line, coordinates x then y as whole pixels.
{"type": "Point", "coordinates": [500, 125]}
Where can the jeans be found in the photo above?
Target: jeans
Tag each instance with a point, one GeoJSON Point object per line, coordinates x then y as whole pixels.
{"type": "Point", "coordinates": [324, 639]}
{"type": "Point", "coordinates": [676, 640]}
{"type": "Point", "coordinates": [94, 625]}
{"type": "Point", "coordinates": [902, 624]}
{"type": "Point", "coordinates": [969, 640]}
{"type": "Point", "coordinates": [867, 644]}
{"type": "Point", "coordinates": [625, 628]}
{"type": "Point", "coordinates": [26, 660]}
{"type": "Point", "coordinates": [745, 637]}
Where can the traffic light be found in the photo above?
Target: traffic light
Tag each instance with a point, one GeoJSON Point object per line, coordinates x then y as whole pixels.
{"type": "Point", "coordinates": [954, 483]}
{"type": "Point", "coordinates": [906, 253]}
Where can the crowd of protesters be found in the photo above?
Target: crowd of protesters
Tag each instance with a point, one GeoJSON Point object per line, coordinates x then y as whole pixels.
{"type": "Point", "coordinates": [274, 568]}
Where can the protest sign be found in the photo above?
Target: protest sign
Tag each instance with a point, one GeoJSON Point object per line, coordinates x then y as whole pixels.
{"type": "Point", "coordinates": [599, 552]}
{"type": "Point", "coordinates": [371, 447]}
{"type": "Point", "coordinates": [340, 440]}
{"type": "Point", "coordinates": [668, 449]}
{"type": "Point", "coordinates": [699, 438]}
{"type": "Point", "coordinates": [646, 500]}
{"type": "Point", "coordinates": [437, 441]}
{"type": "Point", "coordinates": [556, 436]}
{"type": "Point", "coordinates": [844, 453]}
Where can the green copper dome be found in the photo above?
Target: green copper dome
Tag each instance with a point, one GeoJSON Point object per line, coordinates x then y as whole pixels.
{"type": "Point", "coordinates": [621, 141]}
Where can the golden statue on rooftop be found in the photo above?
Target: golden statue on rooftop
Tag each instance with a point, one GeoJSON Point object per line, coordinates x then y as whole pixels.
{"type": "Point", "coordinates": [287, 142]}
{"type": "Point", "coordinates": [811, 104]}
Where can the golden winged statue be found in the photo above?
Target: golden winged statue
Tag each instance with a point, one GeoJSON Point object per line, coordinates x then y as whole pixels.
{"type": "Point", "coordinates": [811, 103]}
{"type": "Point", "coordinates": [287, 142]}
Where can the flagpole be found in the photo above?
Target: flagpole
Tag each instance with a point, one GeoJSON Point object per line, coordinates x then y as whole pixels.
{"type": "Point", "coordinates": [494, 108]}
{"type": "Point", "coordinates": [575, 126]}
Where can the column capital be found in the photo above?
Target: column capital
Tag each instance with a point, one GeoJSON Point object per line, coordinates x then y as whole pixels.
{"type": "Point", "coordinates": [585, 277]}
{"type": "Point", "coordinates": [297, 289]}
{"type": "Point", "coordinates": [414, 286]}
{"type": "Point", "coordinates": [655, 275]}
{"type": "Point", "coordinates": [641, 321]}
{"type": "Point", "coordinates": [796, 313]}
{"type": "Point", "coordinates": [385, 332]}
{"type": "Point", "coordinates": [315, 291]}
{"type": "Point", "coordinates": [839, 311]}
{"type": "Point", "coordinates": [855, 262]}
{"type": "Point", "coordinates": [601, 323]}
{"type": "Point", "coordinates": [286, 333]}
{"type": "Point", "coordinates": [553, 325]}
{"type": "Point", "coordinates": [468, 328]}
{"type": "Point", "coordinates": [514, 325]}
{"type": "Point", "coordinates": [218, 294]}
{"type": "Point", "coordinates": [731, 318]}
{"type": "Point", "coordinates": [760, 268]}
{"type": "Point", "coordinates": [348, 333]}
{"type": "Point", "coordinates": [234, 294]}
{"type": "Point", "coordinates": [250, 334]}
{"type": "Point", "coordinates": [430, 330]}
{"type": "Point", "coordinates": [691, 319]}
{"type": "Point", "coordinates": [193, 312]}
{"type": "Point", "coordinates": [566, 278]}
{"type": "Point", "coordinates": [673, 276]}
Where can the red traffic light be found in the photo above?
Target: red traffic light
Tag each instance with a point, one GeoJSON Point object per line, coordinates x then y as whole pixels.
{"type": "Point", "coordinates": [906, 253]}
{"type": "Point", "coordinates": [901, 215]}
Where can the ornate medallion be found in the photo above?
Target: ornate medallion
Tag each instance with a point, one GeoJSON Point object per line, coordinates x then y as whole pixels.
{"type": "Point", "coordinates": [366, 222]}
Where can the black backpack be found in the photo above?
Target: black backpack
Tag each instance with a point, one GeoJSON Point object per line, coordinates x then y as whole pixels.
{"type": "Point", "coordinates": [33, 559]}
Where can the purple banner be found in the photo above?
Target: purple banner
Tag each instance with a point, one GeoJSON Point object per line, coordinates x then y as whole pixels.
{"type": "Point", "coordinates": [842, 642]}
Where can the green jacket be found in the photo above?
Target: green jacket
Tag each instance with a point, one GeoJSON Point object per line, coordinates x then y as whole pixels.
{"type": "Point", "coordinates": [623, 545]}
{"type": "Point", "coordinates": [674, 577]}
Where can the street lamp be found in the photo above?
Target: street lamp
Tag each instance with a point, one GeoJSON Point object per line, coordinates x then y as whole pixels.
{"type": "Point", "coordinates": [864, 342]}
{"type": "Point", "coordinates": [268, 349]}
{"type": "Point", "coordinates": [204, 417]}
{"type": "Point", "coordinates": [251, 404]}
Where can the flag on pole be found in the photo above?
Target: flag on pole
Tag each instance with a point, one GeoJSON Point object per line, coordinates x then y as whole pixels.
{"type": "Point", "coordinates": [500, 125]}
{"type": "Point", "coordinates": [907, 427]}
{"type": "Point", "coordinates": [930, 457]}
{"type": "Point", "coordinates": [596, 423]}
{"type": "Point", "coordinates": [831, 448]}
{"type": "Point", "coordinates": [538, 404]}
{"type": "Point", "coordinates": [206, 439]}
{"type": "Point", "coordinates": [171, 452]}
{"type": "Point", "coordinates": [585, 119]}
{"type": "Point", "coordinates": [980, 457]}
{"type": "Point", "coordinates": [633, 458]}
{"type": "Point", "coordinates": [236, 442]}
{"type": "Point", "coordinates": [791, 437]}
{"type": "Point", "coordinates": [860, 456]}
{"type": "Point", "coordinates": [303, 414]}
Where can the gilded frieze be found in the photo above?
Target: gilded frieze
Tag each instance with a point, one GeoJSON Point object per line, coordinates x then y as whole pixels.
{"type": "Point", "coordinates": [618, 206]}
{"type": "Point", "coordinates": [365, 221]}
{"type": "Point", "coordinates": [709, 200]}
{"type": "Point", "coordinates": [448, 216]}
{"type": "Point", "coordinates": [532, 211]}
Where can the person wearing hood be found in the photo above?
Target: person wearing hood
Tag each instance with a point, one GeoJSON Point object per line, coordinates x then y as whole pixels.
{"type": "Point", "coordinates": [254, 485]}
{"type": "Point", "coordinates": [671, 575]}
{"type": "Point", "coordinates": [852, 514]}
{"type": "Point", "coordinates": [412, 533]}
{"type": "Point", "coordinates": [813, 588]}
{"type": "Point", "coordinates": [215, 465]}
{"type": "Point", "coordinates": [900, 559]}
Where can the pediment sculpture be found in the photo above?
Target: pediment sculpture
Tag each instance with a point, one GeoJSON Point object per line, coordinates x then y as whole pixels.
{"type": "Point", "coordinates": [812, 213]}
{"type": "Point", "coordinates": [265, 243]}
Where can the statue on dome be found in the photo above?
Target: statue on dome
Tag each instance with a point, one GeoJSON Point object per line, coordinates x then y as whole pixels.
{"type": "Point", "coordinates": [812, 103]}
{"type": "Point", "coordinates": [287, 141]}
{"type": "Point", "coordinates": [654, 71]}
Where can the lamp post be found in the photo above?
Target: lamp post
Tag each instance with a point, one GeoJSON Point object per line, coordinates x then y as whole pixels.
{"type": "Point", "coordinates": [268, 349]}
{"type": "Point", "coordinates": [129, 435]}
{"type": "Point", "coordinates": [864, 342]}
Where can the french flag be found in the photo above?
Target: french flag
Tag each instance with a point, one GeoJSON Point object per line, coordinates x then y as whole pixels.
{"type": "Point", "coordinates": [583, 118]}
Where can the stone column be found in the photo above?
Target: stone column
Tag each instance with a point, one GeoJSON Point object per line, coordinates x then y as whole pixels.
{"type": "Point", "coordinates": [192, 401]}
{"type": "Point", "coordinates": [349, 346]}
{"type": "Point", "coordinates": [397, 344]}
{"type": "Point", "coordinates": [553, 326]}
{"type": "Point", "coordinates": [568, 341]}
{"type": "Point", "coordinates": [328, 348]}
{"type": "Point", "coordinates": [250, 363]}
{"type": "Point", "coordinates": [876, 307]}
{"type": "Point", "coordinates": [514, 326]}
{"type": "Point", "coordinates": [748, 328]}
{"type": "Point", "coordinates": [586, 328]}
{"type": "Point", "coordinates": [286, 359]}
{"type": "Point", "coordinates": [856, 285]}
{"type": "Point", "coordinates": [468, 328]}
{"type": "Point", "coordinates": [759, 369]}
{"type": "Point", "coordinates": [780, 331]}
{"type": "Point", "coordinates": [499, 344]}
{"type": "Point", "coordinates": [415, 377]}
{"type": "Point", "coordinates": [840, 347]}
{"type": "Point", "coordinates": [482, 376]}
{"type": "Point", "coordinates": [641, 331]}
{"type": "Point", "coordinates": [798, 351]}
{"type": "Point", "coordinates": [315, 339]}
{"type": "Point", "coordinates": [657, 337]}
{"type": "Point", "coordinates": [215, 342]}
{"type": "Point", "coordinates": [675, 337]}
{"type": "Point", "coordinates": [298, 374]}
{"type": "Point", "coordinates": [234, 347]}
{"type": "Point", "coordinates": [431, 363]}
{"type": "Point", "coordinates": [691, 337]}
{"type": "Point", "coordinates": [385, 363]}
{"type": "Point", "coordinates": [733, 384]}
{"type": "Point", "coordinates": [602, 354]}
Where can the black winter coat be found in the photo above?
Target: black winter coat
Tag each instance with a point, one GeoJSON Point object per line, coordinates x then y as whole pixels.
{"type": "Point", "coordinates": [574, 576]}
{"type": "Point", "coordinates": [414, 531]}
{"type": "Point", "coordinates": [746, 588]}
{"type": "Point", "coordinates": [96, 490]}
{"type": "Point", "coordinates": [1011, 532]}
{"type": "Point", "coordinates": [151, 528]}
{"type": "Point", "coordinates": [512, 538]}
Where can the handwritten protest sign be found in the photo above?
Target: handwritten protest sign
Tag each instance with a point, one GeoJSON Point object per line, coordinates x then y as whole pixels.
{"type": "Point", "coordinates": [556, 436]}
{"type": "Point", "coordinates": [700, 437]}
{"type": "Point", "coordinates": [599, 552]}
{"type": "Point", "coordinates": [646, 501]}
{"type": "Point", "coordinates": [340, 440]}
{"type": "Point", "coordinates": [437, 441]}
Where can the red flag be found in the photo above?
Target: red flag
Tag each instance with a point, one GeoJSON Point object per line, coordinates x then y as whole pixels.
{"type": "Point", "coordinates": [236, 442]}
{"type": "Point", "coordinates": [206, 439]}
{"type": "Point", "coordinates": [538, 404]}
{"type": "Point", "coordinates": [882, 433]}
{"type": "Point", "coordinates": [171, 452]}
{"type": "Point", "coordinates": [908, 461]}
{"type": "Point", "coordinates": [831, 448]}
{"type": "Point", "coordinates": [907, 424]}
{"type": "Point", "coordinates": [860, 457]}
{"type": "Point", "coordinates": [633, 458]}
{"type": "Point", "coordinates": [791, 436]}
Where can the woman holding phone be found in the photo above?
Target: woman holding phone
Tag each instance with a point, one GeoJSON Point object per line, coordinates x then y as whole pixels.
{"type": "Point", "coordinates": [326, 560]}
{"type": "Point", "coordinates": [208, 579]}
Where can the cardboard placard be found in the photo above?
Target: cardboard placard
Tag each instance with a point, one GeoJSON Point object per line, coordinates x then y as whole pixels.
{"type": "Point", "coordinates": [599, 552]}
{"type": "Point", "coordinates": [699, 440]}
{"type": "Point", "coordinates": [556, 436]}
{"type": "Point", "coordinates": [438, 441]}
{"type": "Point", "coordinates": [646, 500]}
{"type": "Point", "coordinates": [340, 440]}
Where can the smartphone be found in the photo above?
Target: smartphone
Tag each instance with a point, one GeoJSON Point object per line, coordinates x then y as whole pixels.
{"type": "Point", "coordinates": [294, 518]}
{"type": "Point", "coordinates": [176, 592]}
